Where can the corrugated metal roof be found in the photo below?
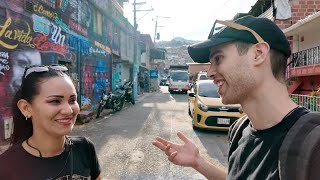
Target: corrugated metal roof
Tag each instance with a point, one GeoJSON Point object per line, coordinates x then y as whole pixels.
{"type": "Point", "coordinates": [267, 14]}
{"type": "Point", "coordinates": [311, 19]}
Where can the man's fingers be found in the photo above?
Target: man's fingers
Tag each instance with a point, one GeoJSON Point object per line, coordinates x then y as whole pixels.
{"type": "Point", "coordinates": [183, 137]}
{"type": "Point", "coordinates": [163, 141]}
{"type": "Point", "coordinates": [159, 145]}
{"type": "Point", "coordinates": [172, 156]}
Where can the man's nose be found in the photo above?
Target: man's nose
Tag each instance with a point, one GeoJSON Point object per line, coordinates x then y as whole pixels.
{"type": "Point", "coordinates": [212, 71]}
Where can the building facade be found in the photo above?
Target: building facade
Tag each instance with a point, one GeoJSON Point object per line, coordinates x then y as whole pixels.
{"type": "Point", "coordinates": [302, 30]}
{"type": "Point", "coordinates": [91, 37]}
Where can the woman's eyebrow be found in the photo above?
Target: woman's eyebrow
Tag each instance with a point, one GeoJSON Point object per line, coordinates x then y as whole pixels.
{"type": "Point", "coordinates": [57, 96]}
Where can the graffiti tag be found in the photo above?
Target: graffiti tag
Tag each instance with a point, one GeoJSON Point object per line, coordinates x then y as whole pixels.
{"type": "Point", "coordinates": [4, 55]}
{"type": "Point", "coordinates": [4, 64]}
{"type": "Point", "coordinates": [41, 43]}
{"type": "Point", "coordinates": [97, 51]}
{"type": "Point", "coordinates": [102, 46]}
{"type": "Point", "coordinates": [38, 8]}
{"type": "Point", "coordinates": [62, 24]}
{"type": "Point", "coordinates": [64, 5]}
{"type": "Point", "coordinates": [18, 34]}
{"type": "Point", "coordinates": [57, 37]}
{"type": "Point", "coordinates": [77, 27]}
{"type": "Point", "coordinates": [41, 24]}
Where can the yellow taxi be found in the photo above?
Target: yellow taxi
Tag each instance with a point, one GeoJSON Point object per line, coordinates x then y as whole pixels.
{"type": "Point", "coordinates": [206, 108]}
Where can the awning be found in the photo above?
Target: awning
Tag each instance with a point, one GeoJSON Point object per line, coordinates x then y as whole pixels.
{"type": "Point", "coordinates": [123, 61]}
{"type": "Point", "coordinates": [310, 22]}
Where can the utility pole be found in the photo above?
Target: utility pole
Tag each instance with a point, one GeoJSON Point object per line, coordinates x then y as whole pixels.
{"type": "Point", "coordinates": [135, 63]}
{"type": "Point", "coordinates": [155, 28]}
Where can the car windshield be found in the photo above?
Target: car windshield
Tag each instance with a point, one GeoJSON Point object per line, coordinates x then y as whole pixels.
{"type": "Point", "coordinates": [203, 77]}
{"type": "Point", "coordinates": [179, 76]}
{"type": "Point", "coordinates": [208, 90]}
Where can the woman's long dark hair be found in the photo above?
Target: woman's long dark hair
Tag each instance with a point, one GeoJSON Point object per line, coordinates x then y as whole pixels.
{"type": "Point", "coordinates": [29, 88]}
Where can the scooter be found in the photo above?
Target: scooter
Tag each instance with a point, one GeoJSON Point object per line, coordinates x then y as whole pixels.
{"type": "Point", "coordinates": [109, 101]}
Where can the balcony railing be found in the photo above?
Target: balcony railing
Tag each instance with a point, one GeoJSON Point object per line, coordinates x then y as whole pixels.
{"type": "Point", "coordinates": [306, 57]}
{"type": "Point", "coordinates": [309, 102]}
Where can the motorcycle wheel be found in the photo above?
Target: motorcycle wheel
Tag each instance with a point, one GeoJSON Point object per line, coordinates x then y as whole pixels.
{"type": "Point", "coordinates": [100, 108]}
{"type": "Point", "coordinates": [132, 100]}
{"type": "Point", "coordinates": [118, 104]}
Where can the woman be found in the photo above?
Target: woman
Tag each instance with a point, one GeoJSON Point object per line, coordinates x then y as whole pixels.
{"type": "Point", "coordinates": [44, 111]}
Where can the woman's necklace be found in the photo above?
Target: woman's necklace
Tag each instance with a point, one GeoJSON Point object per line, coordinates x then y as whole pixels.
{"type": "Point", "coordinates": [33, 147]}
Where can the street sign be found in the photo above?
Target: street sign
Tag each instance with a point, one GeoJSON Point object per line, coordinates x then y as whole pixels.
{"type": "Point", "coordinates": [153, 74]}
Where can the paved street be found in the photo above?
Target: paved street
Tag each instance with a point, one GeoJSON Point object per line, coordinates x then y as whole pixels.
{"type": "Point", "coordinates": [123, 139]}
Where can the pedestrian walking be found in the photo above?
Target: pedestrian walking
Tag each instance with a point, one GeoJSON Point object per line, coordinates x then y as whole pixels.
{"type": "Point", "coordinates": [44, 110]}
{"type": "Point", "coordinates": [141, 83]}
{"type": "Point", "coordinates": [248, 64]}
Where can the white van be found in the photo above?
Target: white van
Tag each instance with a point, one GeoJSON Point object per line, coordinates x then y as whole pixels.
{"type": "Point", "coordinates": [178, 81]}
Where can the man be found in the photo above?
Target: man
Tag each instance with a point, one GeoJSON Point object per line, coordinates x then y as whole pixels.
{"type": "Point", "coordinates": [141, 82]}
{"type": "Point", "coordinates": [21, 58]}
{"type": "Point", "coordinates": [248, 62]}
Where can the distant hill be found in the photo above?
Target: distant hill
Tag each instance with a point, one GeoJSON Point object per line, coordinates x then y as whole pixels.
{"type": "Point", "coordinates": [175, 42]}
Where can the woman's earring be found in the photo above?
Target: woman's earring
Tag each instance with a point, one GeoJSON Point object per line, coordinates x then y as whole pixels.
{"type": "Point", "coordinates": [26, 118]}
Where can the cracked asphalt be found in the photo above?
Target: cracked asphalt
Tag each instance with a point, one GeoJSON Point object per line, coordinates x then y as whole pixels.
{"type": "Point", "coordinates": [123, 139]}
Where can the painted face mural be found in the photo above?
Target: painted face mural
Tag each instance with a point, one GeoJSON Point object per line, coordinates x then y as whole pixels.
{"type": "Point", "coordinates": [52, 32]}
{"type": "Point", "coordinates": [21, 59]}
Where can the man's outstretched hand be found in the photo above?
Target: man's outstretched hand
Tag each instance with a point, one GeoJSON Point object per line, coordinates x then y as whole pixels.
{"type": "Point", "coordinates": [185, 154]}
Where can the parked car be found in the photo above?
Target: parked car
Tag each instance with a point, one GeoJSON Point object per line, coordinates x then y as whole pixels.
{"type": "Point", "coordinates": [202, 76]}
{"type": "Point", "coordinates": [163, 82]}
{"type": "Point", "coordinates": [206, 108]}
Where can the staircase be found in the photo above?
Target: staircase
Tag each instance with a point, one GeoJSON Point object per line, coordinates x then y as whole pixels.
{"type": "Point", "coordinates": [294, 84]}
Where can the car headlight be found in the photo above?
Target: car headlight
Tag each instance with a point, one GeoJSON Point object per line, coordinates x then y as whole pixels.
{"type": "Point", "coordinates": [202, 106]}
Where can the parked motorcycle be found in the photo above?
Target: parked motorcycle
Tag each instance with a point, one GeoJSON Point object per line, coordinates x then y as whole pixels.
{"type": "Point", "coordinates": [109, 101]}
{"type": "Point", "coordinates": [127, 94]}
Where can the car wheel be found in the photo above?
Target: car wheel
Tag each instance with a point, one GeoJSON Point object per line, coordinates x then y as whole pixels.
{"type": "Point", "coordinates": [193, 126]}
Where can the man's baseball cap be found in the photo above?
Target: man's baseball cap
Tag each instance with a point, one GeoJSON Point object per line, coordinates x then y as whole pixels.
{"type": "Point", "coordinates": [246, 29]}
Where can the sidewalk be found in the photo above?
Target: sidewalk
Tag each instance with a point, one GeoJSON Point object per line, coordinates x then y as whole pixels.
{"type": "Point", "coordinates": [87, 116]}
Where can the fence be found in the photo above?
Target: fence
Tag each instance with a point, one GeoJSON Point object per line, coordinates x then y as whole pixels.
{"type": "Point", "coordinates": [309, 102]}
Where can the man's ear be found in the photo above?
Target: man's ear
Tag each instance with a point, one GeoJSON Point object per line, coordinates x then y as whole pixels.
{"type": "Point", "coordinates": [24, 107]}
{"type": "Point", "coordinates": [261, 53]}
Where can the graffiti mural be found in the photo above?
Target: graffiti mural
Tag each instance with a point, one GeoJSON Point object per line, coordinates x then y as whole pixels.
{"type": "Point", "coordinates": [39, 38]}
{"type": "Point", "coordinates": [41, 32]}
{"type": "Point", "coordinates": [4, 63]}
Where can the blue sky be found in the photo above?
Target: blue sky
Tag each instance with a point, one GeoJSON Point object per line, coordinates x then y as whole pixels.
{"type": "Point", "coordinates": [190, 19]}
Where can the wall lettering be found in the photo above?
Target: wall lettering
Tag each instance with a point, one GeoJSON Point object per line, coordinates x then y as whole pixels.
{"type": "Point", "coordinates": [57, 37]}
{"type": "Point", "coordinates": [93, 50]}
{"type": "Point", "coordinates": [41, 43]}
{"type": "Point", "coordinates": [18, 34]}
{"type": "Point", "coordinates": [41, 24]}
{"type": "Point", "coordinates": [64, 5]}
{"type": "Point", "coordinates": [102, 46]}
{"type": "Point", "coordinates": [4, 64]}
{"type": "Point", "coordinates": [38, 8]}
{"type": "Point", "coordinates": [77, 27]}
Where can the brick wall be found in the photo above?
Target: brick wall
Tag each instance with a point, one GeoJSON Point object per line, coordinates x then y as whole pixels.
{"type": "Point", "coordinates": [300, 10]}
